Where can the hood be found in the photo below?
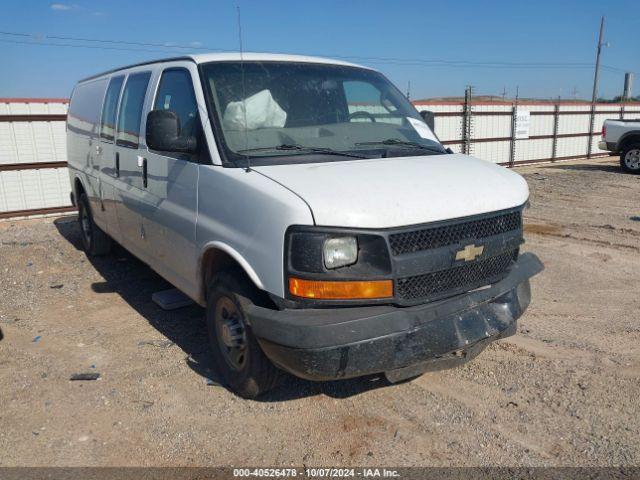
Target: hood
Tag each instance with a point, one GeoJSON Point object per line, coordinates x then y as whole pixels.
{"type": "Point", "coordinates": [393, 192]}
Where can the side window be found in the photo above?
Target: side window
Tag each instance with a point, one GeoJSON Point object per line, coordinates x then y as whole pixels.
{"type": "Point", "coordinates": [108, 121]}
{"type": "Point", "coordinates": [84, 111]}
{"type": "Point", "coordinates": [175, 93]}
{"type": "Point", "coordinates": [131, 109]}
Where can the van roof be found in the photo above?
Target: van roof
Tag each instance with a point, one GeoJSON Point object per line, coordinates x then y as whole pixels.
{"type": "Point", "coordinates": [234, 56]}
{"type": "Point", "coordinates": [273, 57]}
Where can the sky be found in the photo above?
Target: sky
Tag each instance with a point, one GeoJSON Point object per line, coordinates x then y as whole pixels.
{"type": "Point", "coordinates": [438, 47]}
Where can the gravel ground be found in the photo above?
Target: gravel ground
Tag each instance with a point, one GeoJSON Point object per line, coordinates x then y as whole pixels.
{"type": "Point", "coordinates": [564, 391]}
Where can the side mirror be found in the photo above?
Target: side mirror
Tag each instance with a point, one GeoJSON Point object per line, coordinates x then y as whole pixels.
{"type": "Point", "coordinates": [163, 133]}
{"type": "Point", "coordinates": [429, 118]}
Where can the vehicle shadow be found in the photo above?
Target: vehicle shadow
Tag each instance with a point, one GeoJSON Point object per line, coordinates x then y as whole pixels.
{"type": "Point", "coordinates": [605, 167]}
{"type": "Point", "coordinates": [185, 328]}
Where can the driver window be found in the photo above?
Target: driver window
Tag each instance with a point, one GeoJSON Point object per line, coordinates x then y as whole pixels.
{"type": "Point", "coordinates": [367, 104]}
{"type": "Point", "coordinates": [175, 93]}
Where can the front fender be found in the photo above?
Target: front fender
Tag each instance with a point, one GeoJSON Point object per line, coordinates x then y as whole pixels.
{"type": "Point", "coordinates": [245, 215]}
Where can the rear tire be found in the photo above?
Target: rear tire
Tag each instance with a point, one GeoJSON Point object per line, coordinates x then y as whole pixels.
{"type": "Point", "coordinates": [244, 367]}
{"type": "Point", "coordinates": [95, 241]}
{"type": "Point", "coordinates": [630, 158]}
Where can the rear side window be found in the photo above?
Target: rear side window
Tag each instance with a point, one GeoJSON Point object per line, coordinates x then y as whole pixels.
{"type": "Point", "coordinates": [84, 110]}
{"type": "Point", "coordinates": [131, 109]}
{"type": "Point", "coordinates": [108, 123]}
{"type": "Point", "coordinates": [175, 93]}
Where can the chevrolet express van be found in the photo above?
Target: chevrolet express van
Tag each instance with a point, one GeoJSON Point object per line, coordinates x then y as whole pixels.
{"type": "Point", "coordinates": [308, 207]}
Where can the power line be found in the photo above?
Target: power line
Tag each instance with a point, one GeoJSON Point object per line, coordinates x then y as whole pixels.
{"type": "Point", "coordinates": [393, 60]}
{"type": "Point", "coordinates": [164, 47]}
{"type": "Point", "coordinates": [43, 44]}
{"type": "Point", "coordinates": [123, 42]}
{"type": "Point", "coordinates": [385, 62]}
{"type": "Point", "coordinates": [614, 69]}
{"type": "Point", "coordinates": [17, 34]}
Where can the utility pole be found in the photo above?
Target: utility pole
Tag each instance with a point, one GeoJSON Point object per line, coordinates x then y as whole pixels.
{"type": "Point", "coordinates": [594, 95]}
{"type": "Point", "coordinates": [628, 81]}
{"type": "Point", "coordinates": [467, 120]}
{"type": "Point", "coordinates": [514, 116]}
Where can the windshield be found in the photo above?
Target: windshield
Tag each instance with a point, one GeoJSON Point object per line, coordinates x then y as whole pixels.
{"type": "Point", "coordinates": [281, 111]}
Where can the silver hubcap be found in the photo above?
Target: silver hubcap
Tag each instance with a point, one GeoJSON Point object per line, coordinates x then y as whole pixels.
{"type": "Point", "coordinates": [232, 336]}
{"type": "Point", "coordinates": [632, 159]}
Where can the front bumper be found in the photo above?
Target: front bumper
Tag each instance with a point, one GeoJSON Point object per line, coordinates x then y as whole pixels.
{"type": "Point", "coordinates": [325, 344]}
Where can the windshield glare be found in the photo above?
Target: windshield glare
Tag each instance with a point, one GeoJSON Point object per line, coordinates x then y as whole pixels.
{"type": "Point", "coordinates": [261, 107]}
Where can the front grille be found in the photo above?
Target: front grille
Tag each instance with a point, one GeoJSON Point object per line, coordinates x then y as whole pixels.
{"type": "Point", "coordinates": [459, 278]}
{"type": "Point", "coordinates": [440, 236]}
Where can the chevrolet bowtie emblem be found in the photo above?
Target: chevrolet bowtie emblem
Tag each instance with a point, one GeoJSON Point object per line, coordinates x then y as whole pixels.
{"type": "Point", "coordinates": [470, 252]}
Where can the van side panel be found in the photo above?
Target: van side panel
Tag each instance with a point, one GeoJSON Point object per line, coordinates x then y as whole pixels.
{"type": "Point", "coordinates": [129, 194]}
{"type": "Point", "coordinates": [108, 163]}
{"type": "Point", "coordinates": [171, 194]}
{"type": "Point", "coordinates": [82, 140]}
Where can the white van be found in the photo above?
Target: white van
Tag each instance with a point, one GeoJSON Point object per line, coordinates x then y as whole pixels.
{"type": "Point", "coordinates": [308, 206]}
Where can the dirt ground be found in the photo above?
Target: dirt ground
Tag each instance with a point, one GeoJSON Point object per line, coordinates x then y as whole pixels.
{"type": "Point", "coordinates": [564, 391]}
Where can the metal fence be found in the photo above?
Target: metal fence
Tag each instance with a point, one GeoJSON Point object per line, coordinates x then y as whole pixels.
{"type": "Point", "coordinates": [33, 154]}
{"type": "Point", "coordinates": [33, 174]}
{"type": "Point", "coordinates": [556, 131]}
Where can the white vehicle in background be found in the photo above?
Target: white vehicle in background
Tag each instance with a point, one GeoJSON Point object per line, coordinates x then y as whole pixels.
{"type": "Point", "coordinates": [623, 136]}
{"type": "Point", "coordinates": [306, 204]}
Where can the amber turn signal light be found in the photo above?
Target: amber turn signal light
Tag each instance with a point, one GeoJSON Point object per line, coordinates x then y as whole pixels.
{"type": "Point", "coordinates": [347, 290]}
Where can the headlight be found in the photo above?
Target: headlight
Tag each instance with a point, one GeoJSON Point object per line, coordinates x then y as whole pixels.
{"type": "Point", "coordinates": [340, 252]}
{"type": "Point", "coordinates": [333, 264]}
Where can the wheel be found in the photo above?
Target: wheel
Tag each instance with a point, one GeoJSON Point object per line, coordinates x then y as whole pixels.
{"type": "Point", "coordinates": [94, 240]}
{"type": "Point", "coordinates": [630, 158]}
{"type": "Point", "coordinates": [240, 360]}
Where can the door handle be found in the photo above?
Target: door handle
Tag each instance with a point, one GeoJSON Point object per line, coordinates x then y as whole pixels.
{"type": "Point", "coordinates": [100, 194]}
{"type": "Point", "coordinates": [117, 164]}
{"type": "Point", "coordinates": [144, 173]}
{"type": "Point", "coordinates": [142, 162]}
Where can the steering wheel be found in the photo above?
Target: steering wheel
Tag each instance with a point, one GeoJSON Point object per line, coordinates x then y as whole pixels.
{"type": "Point", "coordinates": [362, 114]}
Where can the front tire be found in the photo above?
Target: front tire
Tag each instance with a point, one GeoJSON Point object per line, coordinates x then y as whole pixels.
{"type": "Point", "coordinates": [94, 240]}
{"type": "Point", "coordinates": [630, 158]}
{"type": "Point", "coordinates": [238, 357]}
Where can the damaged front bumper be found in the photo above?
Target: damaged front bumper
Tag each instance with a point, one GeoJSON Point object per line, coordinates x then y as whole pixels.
{"type": "Point", "coordinates": [326, 344]}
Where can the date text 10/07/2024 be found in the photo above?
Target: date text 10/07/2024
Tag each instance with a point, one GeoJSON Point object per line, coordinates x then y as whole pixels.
{"type": "Point", "coordinates": [316, 472]}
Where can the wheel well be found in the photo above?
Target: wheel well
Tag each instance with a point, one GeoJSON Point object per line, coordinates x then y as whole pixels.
{"type": "Point", "coordinates": [629, 140]}
{"type": "Point", "coordinates": [216, 260]}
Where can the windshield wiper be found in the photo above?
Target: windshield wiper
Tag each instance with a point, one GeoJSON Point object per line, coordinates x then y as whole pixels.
{"type": "Point", "coordinates": [302, 148]}
{"type": "Point", "coordinates": [403, 143]}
